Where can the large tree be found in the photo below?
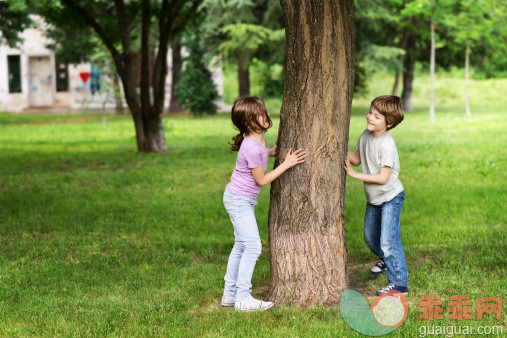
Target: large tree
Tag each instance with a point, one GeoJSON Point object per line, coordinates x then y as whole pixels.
{"type": "Point", "coordinates": [112, 22]}
{"type": "Point", "coordinates": [306, 223]}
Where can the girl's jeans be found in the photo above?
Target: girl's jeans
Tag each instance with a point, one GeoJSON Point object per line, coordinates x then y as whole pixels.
{"type": "Point", "coordinates": [383, 237]}
{"type": "Point", "coordinates": [247, 246]}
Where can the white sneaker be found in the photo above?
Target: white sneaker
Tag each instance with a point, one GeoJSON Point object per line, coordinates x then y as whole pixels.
{"type": "Point", "coordinates": [252, 304]}
{"type": "Point", "coordinates": [228, 300]}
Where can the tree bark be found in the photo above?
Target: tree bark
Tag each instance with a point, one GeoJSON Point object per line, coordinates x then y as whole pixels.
{"type": "Point", "coordinates": [306, 219]}
{"type": "Point", "coordinates": [117, 94]}
{"type": "Point", "coordinates": [244, 80]}
{"type": "Point", "coordinates": [128, 76]}
{"type": "Point", "coordinates": [408, 73]}
{"type": "Point", "coordinates": [432, 69]}
{"type": "Point", "coordinates": [403, 45]}
{"type": "Point", "coordinates": [174, 106]}
{"type": "Point", "coordinates": [467, 63]}
{"type": "Point", "coordinates": [145, 61]}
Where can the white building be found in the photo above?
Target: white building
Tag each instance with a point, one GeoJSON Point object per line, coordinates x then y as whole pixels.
{"type": "Point", "coordinates": [30, 79]}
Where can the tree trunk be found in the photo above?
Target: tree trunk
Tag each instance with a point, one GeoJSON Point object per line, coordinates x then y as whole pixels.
{"type": "Point", "coordinates": [244, 80]}
{"type": "Point", "coordinates": [306, 223]}
{"type": "Point", "coordinates": [403, 45]}
{"type": "Point", "coordinates": [467, 101]}
{"type": "Point", "coordinates": [432, 70]}
{"type": "Point", "coordinates": [173, 16]}
{"type": "Point", "coordinates": [408, 73]}
{"type": "Point", "coordinates": [174, 106]}
{"type": "Point", "coordinates": [117, 94]}
{"type": "Point", "coordinates": [147, 117]}
{"type": "Point", "coordinates": [150, 134]}
{"type": "Point", "coordinates": [397, 79]}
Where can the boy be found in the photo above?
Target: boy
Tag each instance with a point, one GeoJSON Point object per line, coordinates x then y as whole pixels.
{"type": "Point", "coordinates": [376, 152]}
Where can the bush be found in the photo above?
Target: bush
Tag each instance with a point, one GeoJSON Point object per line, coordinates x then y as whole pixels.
{"type": "Point", "coordinates": [196, 90]}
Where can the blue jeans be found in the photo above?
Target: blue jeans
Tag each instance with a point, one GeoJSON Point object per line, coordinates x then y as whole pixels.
{"type": "Point", "coordinates": [383, 236]}
{"type": "Point", "coordinates": [247, 246]}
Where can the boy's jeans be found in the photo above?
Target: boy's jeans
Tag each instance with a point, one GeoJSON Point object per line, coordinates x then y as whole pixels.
{"type": "Point", "coordinates": [247, 246]}
{"type": "Point", "coordinates": [383, 237]}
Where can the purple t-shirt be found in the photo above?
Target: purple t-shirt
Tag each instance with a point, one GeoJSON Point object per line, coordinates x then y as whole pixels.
{"type": "Point", "coordinates": [251, 155]}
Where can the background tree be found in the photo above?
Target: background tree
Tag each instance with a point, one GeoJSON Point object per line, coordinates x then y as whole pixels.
{"type": "Point", "coordinates": [71, 45]}
{"type": "Point", "coordinates": [112, 22]}
{"type": "Point", "coordinates": [413, 19]}
{"type": "Point", "coordinates": [424, 26]}
{"type": "Point", "coordinates": [452, 22]}
{"type": "Point", "coordinates": [401, 60]}
{"type": "Point", "coordinates": [489, 54]}
{"type": "Point", "coordinates": [101, 57]}
{"type": "Point", "coordinates": [79, 45]}
{"type": "Point", "coordinates": [432, 63]}
{"type": "Point", "coordinates": [195, 89]}
{"type": "Point", "coordinates": [468, 23]}
{"type": "Point", "coordinates": [177, 64]}
{"type": "Point", "coordinates": [245, 30]}
{"type": "Point", "coordinates": [306, 231]}
{"type": "Point", "coordinates": [243, 41]}
{"type": "Point", "coordinates": [376, 45]}
{"type": "Point", "coordinates": [14, 19]}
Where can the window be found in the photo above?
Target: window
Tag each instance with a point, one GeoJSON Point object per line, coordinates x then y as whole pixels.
{"type": "Point", "coordinates": [14, 71]}
{"type": "Point", "coordinates": [62, 77]}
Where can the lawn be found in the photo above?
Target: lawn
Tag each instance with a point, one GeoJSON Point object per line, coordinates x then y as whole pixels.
{"type": "Point", "coordinates": [96, 239]}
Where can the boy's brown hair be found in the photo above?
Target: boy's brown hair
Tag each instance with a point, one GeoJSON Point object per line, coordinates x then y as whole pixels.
{"type": "Point", "coordinates": [391, 107]}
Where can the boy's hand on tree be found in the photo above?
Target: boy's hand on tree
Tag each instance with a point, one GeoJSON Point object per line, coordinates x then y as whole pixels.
{"type": "Point", "coordinates": [272, 152]}
{"type": "Point", "coordinates": [350, 155]}
{"type": "Point", "coordinates": [294, 158]}
{"type": "Point", "coordinates": [349, 169]}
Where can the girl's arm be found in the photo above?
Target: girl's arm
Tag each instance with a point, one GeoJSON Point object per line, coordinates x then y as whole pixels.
{"type": "Point", "coordinates": [354, 158]}
{"type": "Point", "coordinates": [291, 159]}
{"type": "Point", "coordinates": [381, 178]}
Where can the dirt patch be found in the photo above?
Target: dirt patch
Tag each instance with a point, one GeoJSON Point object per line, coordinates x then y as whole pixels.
{"type": "Point", "coordinates": [355, 280]}
{"type": "Point", "coordinates": [260, 291]}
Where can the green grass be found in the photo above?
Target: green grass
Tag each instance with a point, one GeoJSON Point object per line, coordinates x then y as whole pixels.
{"type": "Point", "coordinates": [98, 240]}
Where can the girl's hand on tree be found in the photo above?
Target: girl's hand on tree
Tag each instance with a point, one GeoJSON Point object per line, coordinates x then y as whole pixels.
{"type": "Point", "coordinates": [272, 152]}
{"type": "Point", "coordinates": [349, 169]}
{"type": "Point", "coordinates": [294, 158]}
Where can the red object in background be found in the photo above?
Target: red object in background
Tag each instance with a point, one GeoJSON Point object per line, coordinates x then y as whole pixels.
{"type": "Point", "coordinates": [84, 76]}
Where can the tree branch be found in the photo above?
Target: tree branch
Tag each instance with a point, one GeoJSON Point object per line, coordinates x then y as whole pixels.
{"type": "Point", "coordinates": [160, 67]}
{"type": "Point", "coordinates": [145, 58]}
{"type": "Point", "coordinates": [129, 80]}
{"type": "Point", "coordinates": [100, 32]}
{"type": "Point", "coordinates": [167, 30]}
{"type": "Point", "coordinates": [181, 20]}
{"type": "Point", "coordinates": [122, 25]}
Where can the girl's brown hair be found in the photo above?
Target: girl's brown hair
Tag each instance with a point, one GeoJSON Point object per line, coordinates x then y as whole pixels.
{"type": "Point", "coordinates": [244, 114]}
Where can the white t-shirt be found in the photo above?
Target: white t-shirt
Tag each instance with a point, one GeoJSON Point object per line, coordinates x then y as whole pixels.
{"type": "Point", "coordinates": [375, 153]}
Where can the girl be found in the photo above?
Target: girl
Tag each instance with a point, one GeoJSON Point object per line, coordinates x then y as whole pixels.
{"type": "Point", "coordinates": [250, 117]}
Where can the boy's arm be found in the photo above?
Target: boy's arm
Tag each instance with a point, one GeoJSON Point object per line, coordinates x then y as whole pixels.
{"type": "Point", "coordinates": [381, 178]}
{"type": "Point", "coordinates": [272, 152]}
{"type": "Point", "coordinates": [354, 158]}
